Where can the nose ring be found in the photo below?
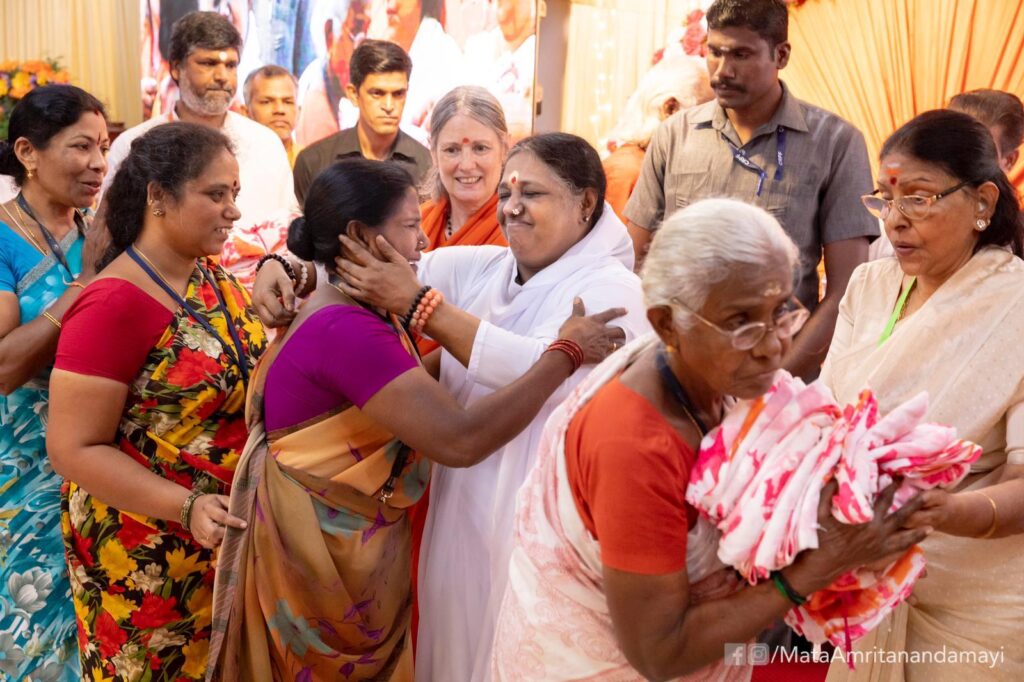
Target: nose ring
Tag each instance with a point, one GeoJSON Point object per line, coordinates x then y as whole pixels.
{"type": "Point", "coordinates": [517, 211]}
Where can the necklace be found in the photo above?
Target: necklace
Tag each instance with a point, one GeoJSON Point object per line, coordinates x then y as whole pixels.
{"type": "Point", "coordinates": [24, 230]}
{"type": "Point", "coordinates": [151, 264]}
{"type": "Point", "coordinates": [674, 386]}
{"type": "Point", "coordinates": [448, 231]}
{"type": "Point", "coordinates": [906, 300]}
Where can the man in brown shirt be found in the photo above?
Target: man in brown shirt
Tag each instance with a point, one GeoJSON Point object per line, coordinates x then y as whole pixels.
{"type": "Point", "coordinates": [759, 143]}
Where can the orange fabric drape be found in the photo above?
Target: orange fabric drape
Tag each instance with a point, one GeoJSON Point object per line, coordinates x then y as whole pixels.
{"type": "Point", "coordinates": [878, 63]}
{"type": "Point", "coordinates": [481, 228]}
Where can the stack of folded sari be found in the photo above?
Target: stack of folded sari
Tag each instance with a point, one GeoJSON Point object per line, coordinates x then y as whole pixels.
{"type": "Point", "coordinates": [759, 479]}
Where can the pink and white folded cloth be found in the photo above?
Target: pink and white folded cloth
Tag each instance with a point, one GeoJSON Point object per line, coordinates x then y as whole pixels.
{"type": "Point", "coordinates": [759, 478]}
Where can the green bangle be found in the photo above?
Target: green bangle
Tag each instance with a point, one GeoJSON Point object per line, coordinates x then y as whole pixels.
{"type": "Point", "coordinates": [786, 590]}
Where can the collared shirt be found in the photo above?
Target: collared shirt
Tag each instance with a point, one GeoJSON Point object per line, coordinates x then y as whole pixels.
{"type": "Point", "coordinates": [263, 170]}
{"type": "Point", "coordinates": [344, 144]}
{"type": "Point", "coordinates": [816, 199]}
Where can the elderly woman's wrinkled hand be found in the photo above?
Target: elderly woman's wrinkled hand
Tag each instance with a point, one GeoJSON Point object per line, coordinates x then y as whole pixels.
{"type": "Point", "coordinates": [718, 585]}
{"type": "Point", "coordinates": [843, 547]}
{"type": "Point", "coordinates": [593, 333]}
{"type": "Point", "coordinates": [273, 295]}
{"type": "Point", "coordinates": [390, 283]}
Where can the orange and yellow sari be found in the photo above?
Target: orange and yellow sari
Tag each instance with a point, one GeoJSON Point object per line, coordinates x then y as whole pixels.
{"type": "Point", "coordinates": [318, 586]}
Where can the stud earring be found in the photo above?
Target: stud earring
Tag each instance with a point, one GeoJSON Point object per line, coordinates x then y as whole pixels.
{"type": "Point", "coordinates": [158, 212]}
{"type": "Point", "coordinates": [980, 224]}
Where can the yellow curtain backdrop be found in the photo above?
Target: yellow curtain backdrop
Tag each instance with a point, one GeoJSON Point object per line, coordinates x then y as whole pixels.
{"type": "Point", "coordinates": [611, 43]}
{"type": "Point", "coordinates": [878, 63]}
{"type": "Point", "coordinates": [97, 41]}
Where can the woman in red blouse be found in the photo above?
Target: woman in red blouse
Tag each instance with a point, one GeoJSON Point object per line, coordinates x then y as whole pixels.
{"type": "Point", "coordinates": [146, 417]}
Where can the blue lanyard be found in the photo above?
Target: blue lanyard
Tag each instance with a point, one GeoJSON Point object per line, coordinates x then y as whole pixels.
{"type": "Point", "coordinates": [238, 352]}
{"type": "Point", "coordinates": [740, 157]}
{"type": "Point", "coordinates": [51, 241]}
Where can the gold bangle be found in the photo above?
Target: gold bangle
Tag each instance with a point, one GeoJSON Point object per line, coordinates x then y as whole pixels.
{"type": "Point", "coordinates": [995, 516]}
{"type": "Point", "coordinates": [52, 319]}
{"type": "Point", "coordinates": [78, 284]}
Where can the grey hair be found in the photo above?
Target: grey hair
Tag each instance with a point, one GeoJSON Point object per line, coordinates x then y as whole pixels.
{"type": "Point", "coordinates": [470, 100]}
{"type": "Point", "coordinates": [266, 71]}
{"type": "Point", "coordinates": [704, 244]}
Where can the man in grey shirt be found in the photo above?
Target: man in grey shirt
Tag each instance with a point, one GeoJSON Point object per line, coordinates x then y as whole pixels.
{"type": "Point", "coordinates": [759, 143]}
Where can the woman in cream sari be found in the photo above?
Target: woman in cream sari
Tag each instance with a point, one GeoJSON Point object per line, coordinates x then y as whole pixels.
{"type": "Point", "coordinates": [946, 315]}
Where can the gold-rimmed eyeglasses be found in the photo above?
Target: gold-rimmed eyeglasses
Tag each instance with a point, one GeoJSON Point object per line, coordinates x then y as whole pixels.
{"type": "Point", "coordinates": [912, 206]}
{"type": "Point", "coordinates": [789, 320]}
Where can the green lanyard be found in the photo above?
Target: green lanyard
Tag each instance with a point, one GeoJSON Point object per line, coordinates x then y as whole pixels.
{"type": "Point", "coordinates": [897, 312]}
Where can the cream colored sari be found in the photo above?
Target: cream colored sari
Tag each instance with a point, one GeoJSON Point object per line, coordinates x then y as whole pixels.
{"type": "Point", "coordinates": [965, 346]}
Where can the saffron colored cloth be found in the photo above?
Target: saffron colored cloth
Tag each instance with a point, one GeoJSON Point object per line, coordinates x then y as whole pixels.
{"type": "Point", "coordinates": [622, 170]}
{"type": "Point", "coordinates": [479, 229]}
{"type": "Point", "coordinates": [143, 587]}
{"type": "Point", "coordinates": [554, 623]}
{"type": "Point", "coordinates": [318, 586]}
{"type": "Point", "coordinates": [339, 354]}
{"type": "Point", "coordinates": [759, 479]}
{"type": "Point", "coordinates": [610, 468]}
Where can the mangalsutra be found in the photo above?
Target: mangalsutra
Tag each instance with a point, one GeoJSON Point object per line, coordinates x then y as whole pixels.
{"type": "Point", "coordinates": [24, 230]}
{"type": "Point", "coordinates": [153, 265]}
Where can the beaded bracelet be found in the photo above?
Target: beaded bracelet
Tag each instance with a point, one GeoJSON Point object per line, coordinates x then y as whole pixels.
{"type": "Point", "coordinates": [186, 508]}
{"type": "Point", "coordinates": [280, 259]}
{"type": "Point", "coordinates": [425, 308]}
{"type": "Point", "coordinates": [570, 348]}
{"type": "Point", "coordinates": [787, 591]}
{"type": "Point", "coordinates": [407, 318]}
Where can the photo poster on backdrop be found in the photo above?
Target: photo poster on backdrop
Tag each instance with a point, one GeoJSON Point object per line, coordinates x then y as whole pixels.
{"type": "Point", "coordinates": [492, 43]}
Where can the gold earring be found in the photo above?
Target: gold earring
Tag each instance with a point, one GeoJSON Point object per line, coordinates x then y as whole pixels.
{"type": "Point", "coordinates": [29, 174]}
{"type": "Point", "coordinates": [158, 212]}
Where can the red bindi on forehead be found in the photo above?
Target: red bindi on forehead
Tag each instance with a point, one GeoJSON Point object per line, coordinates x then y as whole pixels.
{"type": "Point", "coordinates": [465, 140]}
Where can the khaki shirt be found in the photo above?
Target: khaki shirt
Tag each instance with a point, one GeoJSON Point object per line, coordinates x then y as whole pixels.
{"type": "Point", "coordinates": [817, 199]}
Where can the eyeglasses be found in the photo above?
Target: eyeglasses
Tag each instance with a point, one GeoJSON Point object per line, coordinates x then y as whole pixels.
{"type": "Point", "coordinates": [912, 206]}
{"type": "Point", "coordinates": [788, 322]}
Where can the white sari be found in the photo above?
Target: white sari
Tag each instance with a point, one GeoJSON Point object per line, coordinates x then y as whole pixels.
{"type": "Point", "coordinates": [468, 534]}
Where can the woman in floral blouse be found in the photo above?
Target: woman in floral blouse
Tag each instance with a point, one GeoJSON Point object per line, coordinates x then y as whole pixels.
{"type": "Point", "coordinates": [146, 417]}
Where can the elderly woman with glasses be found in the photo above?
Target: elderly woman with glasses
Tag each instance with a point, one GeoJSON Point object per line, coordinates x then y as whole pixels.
{"type": "Point", "coordinates": [613, 575]}
{"type": "Point", "coordinates": [946, 316]}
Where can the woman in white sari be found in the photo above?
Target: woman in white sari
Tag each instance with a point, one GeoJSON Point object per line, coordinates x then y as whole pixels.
{"type": "Point", "coordinates": [946, 315]}
{"type": "Point", "coordinates": [565, 244]}
{"type": "Point", "coordinates": [613, 575]}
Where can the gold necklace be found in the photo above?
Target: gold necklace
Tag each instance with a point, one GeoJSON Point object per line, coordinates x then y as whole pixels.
{"type": "Point", "coordinates": [906, 301]}
{"type": "Point", "coordinates": [155, 268]}
{"type": "Point", "coordinates": [25, 231]}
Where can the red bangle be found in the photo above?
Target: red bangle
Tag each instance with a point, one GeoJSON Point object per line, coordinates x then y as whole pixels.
{"type": "Point", "coordinates": [428, 303]}
{"type": "Point", "coordinates": [570, 348]}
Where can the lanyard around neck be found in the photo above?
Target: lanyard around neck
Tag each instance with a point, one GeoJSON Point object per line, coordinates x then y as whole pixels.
{"type": "Point", "coordinates": [51, 241]}
{"type": "Point", "coordinates": [237, 354]}
{"type": "Point", "coordinates": [740, 157]}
